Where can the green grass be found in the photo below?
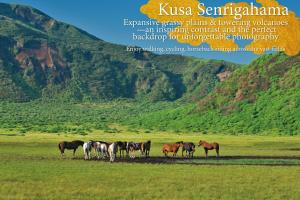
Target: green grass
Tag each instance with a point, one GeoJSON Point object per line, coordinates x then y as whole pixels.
{"type": "Point", "coordinates": [31, 168]}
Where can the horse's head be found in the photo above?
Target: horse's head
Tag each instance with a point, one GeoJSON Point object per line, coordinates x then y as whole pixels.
{"type": "Point", "coordinates": [92, 142]}
{"type": "Point", "coordinates": [201, 142]}
{"type": "Point", "coordinates": [193, 147]}
{"type": "Point", "coordinates": [180, 143]}
{"type": "Point", "coordinates": [119, 143]}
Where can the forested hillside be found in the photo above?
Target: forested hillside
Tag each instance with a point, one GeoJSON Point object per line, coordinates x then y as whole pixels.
{"type": "Point", "coordinates": [263, 97]}
{"type": "Point", "coordinates": [44, 58]}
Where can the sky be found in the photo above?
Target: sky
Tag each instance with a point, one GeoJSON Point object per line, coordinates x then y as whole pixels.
{"type": "Point", "coordinates": [104, 19]}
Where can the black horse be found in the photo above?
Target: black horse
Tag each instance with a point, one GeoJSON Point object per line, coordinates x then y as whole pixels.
{"type": "Point", "coordinates": [69, 145]}
{"type": "Point", "coordinates": [122, 146]}
{"type": "Point", "coordinates": [145, 147]}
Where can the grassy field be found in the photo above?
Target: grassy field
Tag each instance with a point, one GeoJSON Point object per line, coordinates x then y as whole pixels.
{"type": "Point", "coordinates": [31, 168]}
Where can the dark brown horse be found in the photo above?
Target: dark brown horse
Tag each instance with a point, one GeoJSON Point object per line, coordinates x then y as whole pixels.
{"type": "Point", "coordinates": [171, 148]}
{"type": "Point", "coordinates": [69, 145]}
{"type": "Point", "coordinates": [122, 146]}
{"type": "Point", "coordinates": [188, 148]}
{"type": "Point", "coordinates": [145, 147]}
{"type": "Point", "coordinates": [209, 146]}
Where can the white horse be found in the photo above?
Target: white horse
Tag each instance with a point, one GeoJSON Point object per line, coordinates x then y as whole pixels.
{"type": "Point", "coordinates": [101, 149]}
{"type": "Point", "coordinates": [112, 151]}
{"type": "Point", "coordinates": [87, 148]}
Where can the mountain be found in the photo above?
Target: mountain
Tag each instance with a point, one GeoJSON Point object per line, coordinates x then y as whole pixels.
{"type": "Point", "coordinates": [263, 97]}
{"type": "Point", "coordinates": [41, 58]}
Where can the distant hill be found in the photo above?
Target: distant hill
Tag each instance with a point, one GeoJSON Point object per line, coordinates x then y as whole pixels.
{"type": "Point", "coordinates": [44, 58]}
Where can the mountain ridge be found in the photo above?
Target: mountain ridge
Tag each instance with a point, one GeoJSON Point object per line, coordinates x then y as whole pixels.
{"type": "Point", "coordinates": [51, 59]}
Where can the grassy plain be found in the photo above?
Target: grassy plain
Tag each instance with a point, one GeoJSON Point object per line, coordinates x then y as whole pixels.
{"type": "Point", "coordinates": [31, 168]}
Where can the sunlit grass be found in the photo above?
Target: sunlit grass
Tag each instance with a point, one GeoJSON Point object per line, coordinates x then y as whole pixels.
{"type": "Point", "coordinates": [31, 168]}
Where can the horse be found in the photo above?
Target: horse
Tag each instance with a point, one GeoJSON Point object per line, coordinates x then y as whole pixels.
{"type": "Point", "coordinates": [170, 148]}
{"type": "Point", "coordinates": [187, 147]}
{"type": "Point", "coordinates": [112, 151]}
{"type": "Point", "coordinates": [145, 148]}
{"type": "Point", "coordinates": [87, 148]}
{"type": "Point", "coordinates": [209, 146]}
{"type": "Point", "coordinates": [69, 145]}
{"type": "Point", "coordinates": [101, 148]}
{"type": "Point", "coordinates": [122, 146]}
{"type": "Point", "coordinates": [132, 147]}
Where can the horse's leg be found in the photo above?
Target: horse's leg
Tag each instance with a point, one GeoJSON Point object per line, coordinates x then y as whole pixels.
{"type": "Point", "coordinates": [103, 153]}
{"type": "Point", "coordinates": [142, 153]}
{"type": "Point", "coordinates": [218, 155]}
{"type": "Point", "coordinates": [206, 152]}
{"type": "Point", "coordinates": [165, 153]}
{"type": "Point", "coordinates": [62, 152]}
{"type": "Point", "coordinates": [74, 150]}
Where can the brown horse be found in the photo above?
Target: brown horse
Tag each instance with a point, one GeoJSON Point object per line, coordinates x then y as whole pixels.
{"type": "Point", "coordinates": [69, 145]}
{"type": "Point", "coordinates": [171, 148]}
{"type": "Point", "coordinates": [145, 147]}
{"type": "Point", "coordinates": [209, 146]}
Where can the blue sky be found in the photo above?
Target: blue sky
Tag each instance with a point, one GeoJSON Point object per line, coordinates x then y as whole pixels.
{"type": "Point", "coordinates": [104, 19]}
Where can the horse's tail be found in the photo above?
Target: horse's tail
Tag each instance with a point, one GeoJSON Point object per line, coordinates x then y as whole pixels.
{"type": "Point", "coordinates": [59, 147]}
{"type": "Point", "coordinates": [163, 149]}
{"type": "Point", "coordinates": [143, 147]}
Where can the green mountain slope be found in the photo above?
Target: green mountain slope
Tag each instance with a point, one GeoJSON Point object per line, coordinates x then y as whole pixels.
{"type": "Point", "coordinates": [43, 58]}
{"type": "Point", "coordinates": [263, 97]}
